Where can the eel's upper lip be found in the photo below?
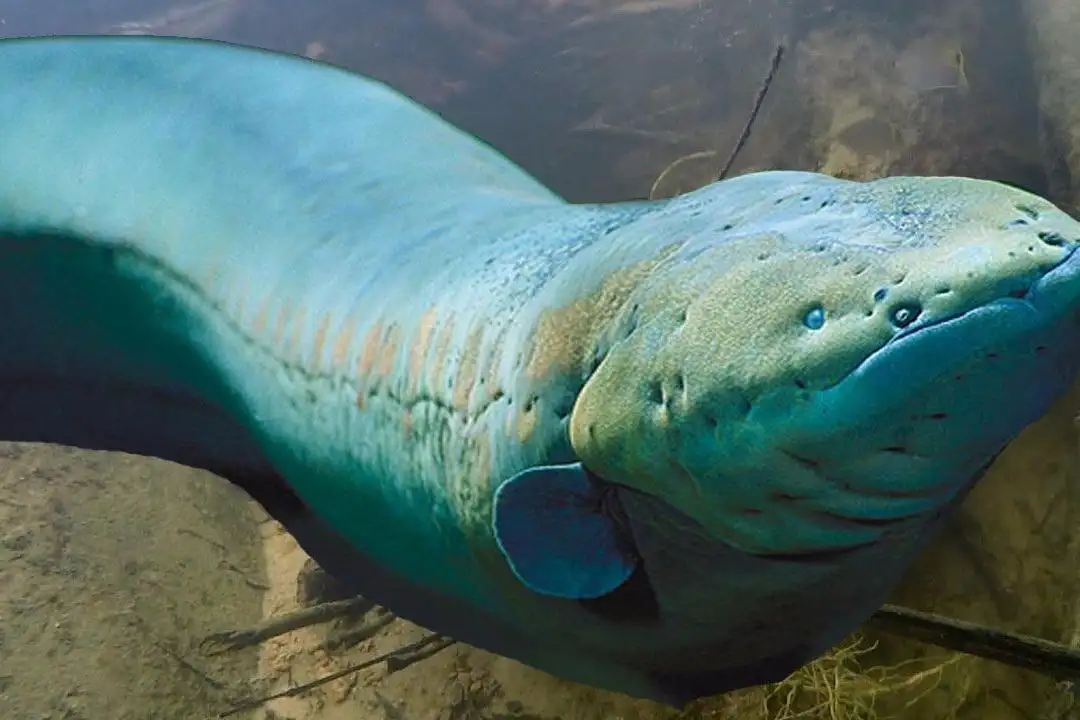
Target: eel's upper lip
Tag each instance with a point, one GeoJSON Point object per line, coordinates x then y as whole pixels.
{"type": "Point", "coordinates": [1054, 292]}
{"type": "Point", "coordinates": [1069, 264]}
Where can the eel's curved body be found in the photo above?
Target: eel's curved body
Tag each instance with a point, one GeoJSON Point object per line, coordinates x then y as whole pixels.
{"type": "Point", "coordinates": [667, 448]}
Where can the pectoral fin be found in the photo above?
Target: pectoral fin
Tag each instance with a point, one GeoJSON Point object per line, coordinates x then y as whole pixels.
{"type": "Point", "coordinates": [554, 527]}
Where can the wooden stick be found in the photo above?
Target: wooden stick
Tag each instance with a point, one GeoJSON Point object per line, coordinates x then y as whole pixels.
{"type": "Point", "coordinates": [401, 653]}
{"type": "Point", "coordinates": [758, 101]}
{"type": "Point", "coordinates": [1052, 659]}
{"type": "Point", "coordinates": [223, 642]}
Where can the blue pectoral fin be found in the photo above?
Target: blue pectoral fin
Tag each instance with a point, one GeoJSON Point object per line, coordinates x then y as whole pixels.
{"type": "Point", "coordinates": [552, 525]}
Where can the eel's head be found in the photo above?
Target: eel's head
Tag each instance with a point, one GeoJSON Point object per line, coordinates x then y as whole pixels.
{"type": "Point", "coordinates": [840, 365]}
{"type": "Point", "coordinates": [801, 377]}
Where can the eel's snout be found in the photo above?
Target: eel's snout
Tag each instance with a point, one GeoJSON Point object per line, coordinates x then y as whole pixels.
{"type": "Point", "coordinates": [1058, 290]}
{"type": "Point", "coordinates": [920, 418]}
{"type": "Point", "coordinates": [1015, 324]}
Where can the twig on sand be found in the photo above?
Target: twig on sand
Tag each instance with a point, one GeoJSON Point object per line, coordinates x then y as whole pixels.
{"type": "Point", "coordinates": [407, 655]}
{"type": "Point", "coordinates": [778, 55]}
{"type": "Point", "coordinates": [416, 652]}
{"type": "Point", "coordinates": [223, 642]}
{"type": "Point", "coordinates": [353, 636]}
{"type": "Point", "coordinates": [1054, 660]}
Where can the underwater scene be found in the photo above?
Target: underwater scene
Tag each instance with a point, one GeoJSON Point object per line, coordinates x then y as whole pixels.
{"type": "Point", "coordinates": [134, 588]}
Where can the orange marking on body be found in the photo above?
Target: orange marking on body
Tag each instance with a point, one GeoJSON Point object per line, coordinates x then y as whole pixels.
{"type": "Point", "coordinates": [296, 336]}
{"type": "Point", "coordinates": [319, 341]}
{"type": "Point", "coordinates": [258, 324]}
{"type": "Point", "coordinates": [389, 350]}
{"type": "Point", "coordinates": [565, 337]}
{"type": "Point", "coordinates": [343, 343]}
{"type": "Point", "coordinates": [369, 353]}
{"type": "Point", "coordinates": [467, 370]}
{"type": "Point", "coordinates": [419, 349]}
{"type": "Point", "coordinates": [282, 323]}
{"type": "Point", "coordinates": [442, 346]}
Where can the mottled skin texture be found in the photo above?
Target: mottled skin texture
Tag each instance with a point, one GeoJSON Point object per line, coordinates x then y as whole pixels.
{"type": "Point", "coordinates": [299, 280]}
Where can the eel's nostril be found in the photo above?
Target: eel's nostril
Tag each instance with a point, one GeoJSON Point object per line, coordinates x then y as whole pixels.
{"type": "Point", "coordinates": [1028, 210]}
{"type": "Point", "coordinates": [904, 315]}
{"type": "Point", "coordinates": [1053, 239]}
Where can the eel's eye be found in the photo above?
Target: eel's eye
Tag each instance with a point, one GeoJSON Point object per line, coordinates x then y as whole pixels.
{"type": "Point", "coordinates": [814, 318]}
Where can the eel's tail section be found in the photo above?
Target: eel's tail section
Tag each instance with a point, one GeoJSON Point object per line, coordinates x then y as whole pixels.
{"type": "Point", "coordinates": [186, 227]}
{"type": "Point", "coordinates": [158, 195]}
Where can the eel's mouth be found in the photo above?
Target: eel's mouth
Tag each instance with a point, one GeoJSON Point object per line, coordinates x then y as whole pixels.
{"type": "Point", "coordinates": [911, 427]}
{"type": "Point", "coordinates": [918, 419]}
{"type": "Point", "coordinates": [1002, 326]}
{"type": "Point", "coordinates": [1068, 267]}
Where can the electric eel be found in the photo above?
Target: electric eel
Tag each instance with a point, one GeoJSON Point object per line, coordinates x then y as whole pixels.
{"type": "Point", "coordinates": [668, 448]}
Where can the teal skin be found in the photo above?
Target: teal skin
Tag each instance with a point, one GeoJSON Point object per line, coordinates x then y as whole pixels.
{"type": "Point", "coordinates": [667, 448]}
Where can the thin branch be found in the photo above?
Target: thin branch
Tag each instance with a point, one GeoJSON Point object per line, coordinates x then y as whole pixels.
{"type": "Point", "coordinates": [415, 653]}
{"type": "Point", "coordinates": [1054, 660]}
{"type": "Point", "coordinates": [223, 642]}
{"type": "Point", "coordinates": [356, 635]}
{"type": "Point", "coordinates": [758, 101]}
{"type": "Point", "coordinates": [401, 653]}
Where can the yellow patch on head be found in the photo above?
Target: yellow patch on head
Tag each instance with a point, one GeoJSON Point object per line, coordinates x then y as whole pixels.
{"type": "Point", "coordinates": [565, 336]}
